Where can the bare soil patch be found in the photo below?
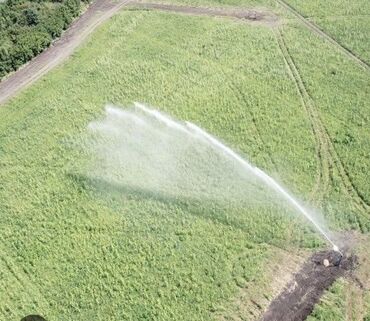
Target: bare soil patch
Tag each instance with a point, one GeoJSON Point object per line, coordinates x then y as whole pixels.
{"type": "Point", "coordinates": [250, 15]}
{"type": "Point", "coordinates": [252, 300]}
{"type": "Point", "coordinates": [298, 298]}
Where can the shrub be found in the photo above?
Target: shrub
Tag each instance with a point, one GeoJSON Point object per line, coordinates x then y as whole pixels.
{"type": "Point", "coordinates": [27, 28]}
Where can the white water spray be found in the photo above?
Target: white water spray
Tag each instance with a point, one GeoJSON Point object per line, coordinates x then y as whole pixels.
{"type": "Point", "coordinates": [144, 151]}
{"type": "Point", "coordinates": [264, 177]}
{"type": "Point", "coordinates": [255, 170]}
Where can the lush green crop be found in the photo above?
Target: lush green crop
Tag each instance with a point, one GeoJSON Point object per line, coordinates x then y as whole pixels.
{"type": "Point", "coordinates": [75, 249]}
{"type": "Point", "coordinates": [352, 32]}
{"type": "Point", "coordinates": [346, 21]}
{"type": "Point", "coordinates": [340, 91]}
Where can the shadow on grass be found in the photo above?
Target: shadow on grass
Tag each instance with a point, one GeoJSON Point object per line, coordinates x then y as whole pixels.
{"type": "Point", "coordinates": [209, 209]}
{"type": "Point", "coordinates": [206, 208]}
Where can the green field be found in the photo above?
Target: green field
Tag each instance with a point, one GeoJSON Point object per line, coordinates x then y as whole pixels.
{"type": "Point", "coordinates": [74, 250]}
{"type": "Point", "coordinates": [346, 21]}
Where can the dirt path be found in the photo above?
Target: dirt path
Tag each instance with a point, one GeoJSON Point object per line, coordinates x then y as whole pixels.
{"type": "Point", "coordinates": [260, 16]}
{"type": "Point", "coordinates": [324, 35]}
{"type": "Point", "coordinates": [98, 12]}
{"type": "Point", "coordinates": [299, 297]}
{"type": "Point", "coordinates": [297, 300]}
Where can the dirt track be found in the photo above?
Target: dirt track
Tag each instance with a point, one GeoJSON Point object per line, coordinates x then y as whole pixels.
{"type": "Point", "coordinates": [297, 300]}
{"type": "Point", "coordinates": [264, 17]}
{"type": "Point", "coordinates": [97, 13]}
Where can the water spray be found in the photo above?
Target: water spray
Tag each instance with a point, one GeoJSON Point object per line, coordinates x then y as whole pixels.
{"type": "Point", "coordinates": [258, 172]}
{"type": "Point", "coordinates": [188, 130]}
{"type": "Point", "coordinates": [263, 176]}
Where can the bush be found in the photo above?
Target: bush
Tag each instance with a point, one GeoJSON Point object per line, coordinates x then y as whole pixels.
{"type": "Point", "coordinates": [27, 28]}
{"type": "Point", "coordinates": [31, 16]}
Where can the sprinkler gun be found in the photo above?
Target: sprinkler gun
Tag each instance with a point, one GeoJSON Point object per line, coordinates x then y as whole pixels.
{"type": "Point", "coordinates": [339, 258]}
{"type": "Point", "coordinates": [336, 249]}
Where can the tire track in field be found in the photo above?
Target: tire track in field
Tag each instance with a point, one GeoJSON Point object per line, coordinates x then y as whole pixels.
{"type": "Point", "coordinates": [326, 150]}
{"type": "Point", "coordinates": [322, 183]}
{"type": "Point", "coordinates": [313, 27]}
{"type": "Point", "coordinates": [26, 284]}
{"type": "Point", "coordinates": [238, 92]}
{"type": "Point", "coordinates": [234, 87]}
{"type": "Point", "coordinates": [348, 183]}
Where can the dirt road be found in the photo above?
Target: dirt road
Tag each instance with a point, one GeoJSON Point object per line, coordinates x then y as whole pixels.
{"type": "Point", "coordinates": [248, 15]}
{"type": "Point", "coordinates": [98, 12]}
{"type": "Point", "coordinates": [298, 299]}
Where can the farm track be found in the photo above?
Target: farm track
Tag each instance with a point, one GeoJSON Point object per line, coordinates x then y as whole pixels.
{"type": "Point", "coordinates": [322, 151]}
{"type": "Point", "coordinates": [20, 277]}
{"type": "Point", "coordinates": [313, 27]}
{"type": "Point", "coordinates": [61, 49]}
{"type": "Point", "coordinates": [95, 15]}
{"type": "Point", "coordinates": [244, 14]}
{"type": "Point", "coordinates": [326, 152]}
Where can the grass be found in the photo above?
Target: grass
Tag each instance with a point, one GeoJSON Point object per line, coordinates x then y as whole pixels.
{"type": "Point", "coordinates": [339, 89]}
{"type": "Point", "coordinates": [74, 250]}
{"type": "Point", "coordinates": [350, 32]}
{"type": "Point", "coordinates": [346, 21]}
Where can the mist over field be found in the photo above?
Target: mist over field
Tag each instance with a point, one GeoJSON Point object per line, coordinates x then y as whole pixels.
{"type": "Point", "coordinates": [136, 150]}
{"type": "Point", "coordinates": [147, 153]}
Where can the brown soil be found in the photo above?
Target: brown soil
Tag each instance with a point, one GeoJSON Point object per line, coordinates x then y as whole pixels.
{"type": "Point", "coordinates": [251, 301]}
{"type": "Point", "coordinates": [61, 49]}
{"type": "Point", "coordinates": [298, 298]}
{"type": "Point", "coordinates": [261, 16]}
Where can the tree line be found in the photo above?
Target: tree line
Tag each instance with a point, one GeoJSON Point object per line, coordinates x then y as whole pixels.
{"type": "Point", "coordinates": [27, 27]}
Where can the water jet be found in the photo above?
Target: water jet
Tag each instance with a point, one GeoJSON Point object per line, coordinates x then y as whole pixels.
{"type": "Point", "coordinates": [154, 150]}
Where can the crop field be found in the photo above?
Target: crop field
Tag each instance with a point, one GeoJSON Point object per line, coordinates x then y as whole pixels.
{"type": "Point", "coordinates": [282, 95]}
{"type": "Point", "coordinates": [346, 21]}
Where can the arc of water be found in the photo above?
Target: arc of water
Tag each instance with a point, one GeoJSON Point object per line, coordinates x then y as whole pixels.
{"type": "Point", "coordinates": [168, 121]}
{"type": "Point", "coordinates": [264, 177]}
{"type": "Point", "coordinates": [228, 151]}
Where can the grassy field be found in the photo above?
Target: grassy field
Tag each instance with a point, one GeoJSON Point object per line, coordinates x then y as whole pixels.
{"type": "Point", "coordinates": [74, 250]}
{"type": "Point", "coordinates": [346, 21]}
